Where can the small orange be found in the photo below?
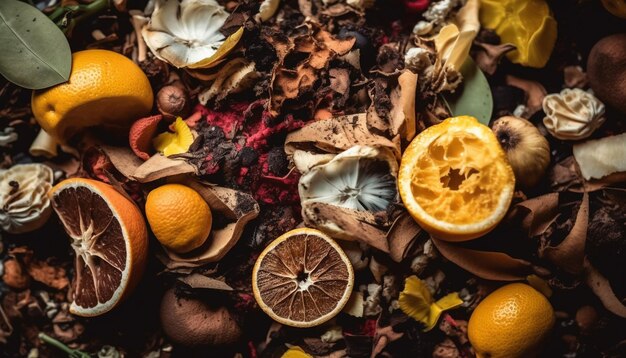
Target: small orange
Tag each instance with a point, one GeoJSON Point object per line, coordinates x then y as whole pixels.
{"type": "Point", "coordinates": [512, 322]}
{"type": "Point", "coordinates": [455, 179]}
{"type": "Point", "coordinates": [105, 89]}
{"type": "Point", "coordinates": [110, 239]}
{"type": "Point", "coordinates": [179, 217]}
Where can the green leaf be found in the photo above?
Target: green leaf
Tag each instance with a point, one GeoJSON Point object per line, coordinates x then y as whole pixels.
{"type": "Point", "coordinates": [35, 53]}
{"type": "Point", "coordinates": [473, 97]}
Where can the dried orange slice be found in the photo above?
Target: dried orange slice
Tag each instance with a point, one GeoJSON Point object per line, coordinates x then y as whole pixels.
{"type": "Point", "coordinates": [110, 239]}
{"type": "Point", "coordinates": [302, 279]}
{"type": "Point", "coordinates": [455, 180]}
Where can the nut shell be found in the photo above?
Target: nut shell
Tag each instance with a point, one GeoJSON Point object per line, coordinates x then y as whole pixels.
{"type": "Point", "coordinates": [194, 323]}
{"type": "Point", "coordinates": [606, 68]}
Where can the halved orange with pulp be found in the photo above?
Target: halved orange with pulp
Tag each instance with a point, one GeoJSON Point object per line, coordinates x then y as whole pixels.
{"type": "Point", "coordinates": [455, 179]}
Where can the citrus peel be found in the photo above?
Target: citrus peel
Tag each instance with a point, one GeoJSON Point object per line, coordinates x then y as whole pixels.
{"type": "Point", "coordinates": [455, 180]}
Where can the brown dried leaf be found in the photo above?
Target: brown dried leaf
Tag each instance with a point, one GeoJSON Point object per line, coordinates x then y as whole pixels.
{"type": "Point", "coordinates": [403, 106]}
{"type": "Point", "coordinates": [495, 266]}
{"type": "Point", "coordinates": [565, 176]}
{"type": "Point", "coordinates": [197, 280]}
{"type": "Point", "coordinates": [540, 213]}
{"type": "Point", "coordinates": [403, 236]}
{"type": "Point", "coordinates": [347, 224]}
{"type": "Point", "coordinates": [570, 254]}
{"type": "Point", "coordinates": [336, 135]}
{"type": "Point", "coordinates": [123, 159]}
{"type": "Point", "coordinates": [160, 166]}
{"type": "Point", "coordinates": [6, 329]}
{"type": "Point", "coordinates": [50, 275]}
{"type": "Point", "coordinates": [239, 208]}
{"type": "Point", "coordinates": [488, 56]}
{"type": "Point", "coordinates": [535, 93]}
{"type": "Point", "coordinates": [602, 288]}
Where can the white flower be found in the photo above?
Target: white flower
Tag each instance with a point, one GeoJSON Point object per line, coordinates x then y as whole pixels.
{"type": "Point", "coordinates": [24, 202]}
{"type": "Point", "coordinates": [359, 178]}
{"type": "Point", "coordinates": [572, 114]}
{"type": "Point", "coordinates": [185, 32]}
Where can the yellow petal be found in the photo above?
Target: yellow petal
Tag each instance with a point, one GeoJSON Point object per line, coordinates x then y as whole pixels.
{"type": "Point", "coordinates": [174, 143]}
{"type": "Point", "coordinates": [527, 24]}
{"type": "Point", "coordinates": [416, 300]}
{"type": "Point", "coordinates": [217, 58]}
{"type": "Point", "coordinates": [296, 352]}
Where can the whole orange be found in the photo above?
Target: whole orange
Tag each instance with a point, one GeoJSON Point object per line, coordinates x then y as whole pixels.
{"type": "Point", "coordinates": [179, 217]}
{"type": "Point", "coordinates": [105, 89]}
{"type": "Point", "coordinates": [511, 322]}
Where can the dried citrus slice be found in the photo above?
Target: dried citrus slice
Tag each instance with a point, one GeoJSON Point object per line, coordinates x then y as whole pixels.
{"type": "Point", "coordinates": [302, 279]}
{"type": "Point", "coordinates": [110, 239]}
{"type": "Point", "coordinates": [455, 179]}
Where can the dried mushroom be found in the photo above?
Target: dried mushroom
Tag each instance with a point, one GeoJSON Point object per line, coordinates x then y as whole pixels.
{"type": "Point", "coordinates": [24, 202]}
{"type": "Point", "coordinates": [572, 114]}
{"type": "Point", "coordinates": [185, 33]}
{"type": "Point", "coordinates": [361, 178]}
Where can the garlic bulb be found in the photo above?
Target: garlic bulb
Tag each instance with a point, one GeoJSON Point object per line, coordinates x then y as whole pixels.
{"type": "Point", "coordinates": [359, 178]}
{"type": "Point", "coordinates": [185, 32]}
{"type": "Point", "coordinates": [572, 114]}
{"type": "Point", "coordinates": [24, 202]}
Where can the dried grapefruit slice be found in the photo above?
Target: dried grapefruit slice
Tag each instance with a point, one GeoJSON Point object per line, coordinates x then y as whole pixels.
{"type": "Point", "coordinates": [109, 235]}
{"type": "Point", "coordinates": [455, 180]}
{"type": "Point", "coordinates": [303, 278]}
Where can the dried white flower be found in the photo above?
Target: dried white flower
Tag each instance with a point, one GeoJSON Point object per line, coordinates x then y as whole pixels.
{"type": "Point", "coordinates": [24, 202]}
{"type": "Point", "coordinates": [572, 114]}
{"type": "Point", "coordinates": [359, 178]}
{"type": "Point", "coordinates": [185, 32]}
{"type": "Point", "coordinates": [334, 334]}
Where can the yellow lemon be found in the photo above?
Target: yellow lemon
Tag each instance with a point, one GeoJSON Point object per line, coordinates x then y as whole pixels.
{"type": "Point", "coordinates": [455, 179]}
{"type": "Point", "coordinates": [179, 217]}
{"type": "Point", "coordinates": [511, 322]}
{"type": "Point", "coordinates": [105, 89]}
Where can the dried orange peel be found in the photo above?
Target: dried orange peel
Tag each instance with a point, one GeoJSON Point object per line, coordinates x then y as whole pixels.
{"type": "Point", "coordinates": [527, 24]}
{"type": "Point", "coordinates": [455, 180]}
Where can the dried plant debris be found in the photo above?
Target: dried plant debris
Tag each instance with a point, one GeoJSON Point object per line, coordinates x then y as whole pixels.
{"type": "Point", "coordinates": [284, 114]}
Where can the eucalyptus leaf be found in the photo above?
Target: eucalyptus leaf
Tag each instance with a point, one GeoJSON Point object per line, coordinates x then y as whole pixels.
{"type": "Point", "coordinates": [35, 52]}
{"type": "Point", "coordinates": [473, 97]}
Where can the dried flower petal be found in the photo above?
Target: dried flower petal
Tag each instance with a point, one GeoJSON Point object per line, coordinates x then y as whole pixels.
{"type": "Point", "coordinates": [416, 301]}
{"type": "Point", "coordinates": [572, 114]}
{"type": "Point", "coordinates": [174, 143]}
{"type": "Point", "coordinates": [186, 32]}
{"type": "Point", "coordinates": [24, 202]}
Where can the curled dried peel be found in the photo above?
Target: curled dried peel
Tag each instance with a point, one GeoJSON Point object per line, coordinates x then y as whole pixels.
{"type": "Point", "coordinates": [455, 180]}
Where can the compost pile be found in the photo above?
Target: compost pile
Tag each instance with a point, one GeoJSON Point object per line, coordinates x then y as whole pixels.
{"type": "Point", "coordinates": [326, 178]}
